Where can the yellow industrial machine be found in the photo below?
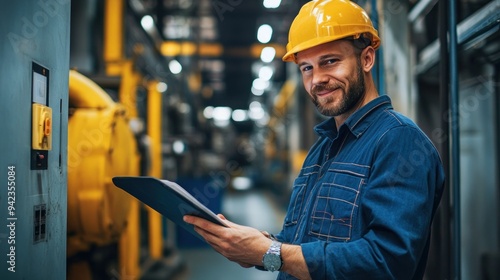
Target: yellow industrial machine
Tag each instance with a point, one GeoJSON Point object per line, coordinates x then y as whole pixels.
{"type": "Point", "coordinates": [104, 223]}
{"type": "Point", "coordinates": [100, 146]}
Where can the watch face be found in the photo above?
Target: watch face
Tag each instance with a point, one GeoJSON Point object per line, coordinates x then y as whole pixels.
{"type": "Point", "coordinates": [272, 262]}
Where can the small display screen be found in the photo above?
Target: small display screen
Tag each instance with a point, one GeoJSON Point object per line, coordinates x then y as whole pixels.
{"type": "Point", "coordinates": [40, 84]}
{"type": "Point", "coordinates": [39, 88]}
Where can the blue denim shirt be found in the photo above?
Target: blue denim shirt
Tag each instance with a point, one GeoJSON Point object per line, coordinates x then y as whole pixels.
{"type": "Point", "coordinates": [363, 202]}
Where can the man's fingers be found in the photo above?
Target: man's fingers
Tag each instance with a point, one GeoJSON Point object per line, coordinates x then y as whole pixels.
{"type": "Point", "coordinates": [190, 219]}
{"type": "Point", "coordinates": [197, 221]}
{"type": "Point", "coordinates": [222, 216]}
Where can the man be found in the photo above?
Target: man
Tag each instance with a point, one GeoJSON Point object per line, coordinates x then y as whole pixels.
{"type": "Point", "coordinates": [363, 203]}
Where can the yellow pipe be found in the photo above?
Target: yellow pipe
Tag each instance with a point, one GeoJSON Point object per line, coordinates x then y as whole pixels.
{"type": "Point", "coordinates": [130, 241]}
{"type": "Point", "coordinates": [154, 131]}
{"type": "Point", "coordinates": [129, 245]}
{"type": "Point", "coordinates": [113, 36]}
{"type": "Point", "coordinates": [154, 127]}
{"type": "Point", "coordinates": [128, 88]}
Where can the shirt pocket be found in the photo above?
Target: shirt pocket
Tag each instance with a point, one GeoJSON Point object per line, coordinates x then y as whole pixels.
{"type": "Point", "coordinates": [298, 197]}
{"type": "Point", "coordinates": [296, 201]}
{"type": "Point", "coordinates": [335, 206]}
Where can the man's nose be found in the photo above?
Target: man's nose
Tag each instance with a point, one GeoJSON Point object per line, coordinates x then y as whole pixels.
{"type": "Point", "coordinates": [320, 77]}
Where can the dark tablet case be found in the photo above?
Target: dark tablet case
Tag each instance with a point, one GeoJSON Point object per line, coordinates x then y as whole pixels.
{"type": "Point", "coordinates": [167, 201]}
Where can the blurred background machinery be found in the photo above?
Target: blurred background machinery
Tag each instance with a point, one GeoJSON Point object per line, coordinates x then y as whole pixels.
{"type": "Point", "coordinates": [101, 145]}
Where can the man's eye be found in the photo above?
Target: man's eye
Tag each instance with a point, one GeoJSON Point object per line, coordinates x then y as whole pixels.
{"type": "Point", "coordinates": [331, 61]}
{"type": "Point", "coordinates": [305, 68]}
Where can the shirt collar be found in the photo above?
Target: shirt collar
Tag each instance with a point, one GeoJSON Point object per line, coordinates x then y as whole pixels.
{"type": "Point", "coordinates": [358, 122]}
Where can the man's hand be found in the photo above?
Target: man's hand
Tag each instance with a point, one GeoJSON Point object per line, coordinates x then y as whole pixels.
{"type": "Point", "coordinates": [246, 246]}
{"type": "Point", "coordinates": [240, 244]}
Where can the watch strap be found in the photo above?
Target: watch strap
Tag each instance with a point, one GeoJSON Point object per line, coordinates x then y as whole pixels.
{"type": "Point", "coordinates": [275, 248]}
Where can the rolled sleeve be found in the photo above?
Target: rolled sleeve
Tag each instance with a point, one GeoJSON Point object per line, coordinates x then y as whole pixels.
{"type": "Point", "coordinates": [314, 254]}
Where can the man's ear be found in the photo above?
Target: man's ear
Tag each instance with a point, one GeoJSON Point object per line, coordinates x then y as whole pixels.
{"type": "Point", "coordinates": [367, 58]}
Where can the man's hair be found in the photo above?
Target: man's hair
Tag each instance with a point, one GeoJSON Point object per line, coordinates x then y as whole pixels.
{"type": "Point", "coordinates": [360, 43]}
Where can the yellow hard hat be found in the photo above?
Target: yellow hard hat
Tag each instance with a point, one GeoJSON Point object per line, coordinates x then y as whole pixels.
{"type": "Point", "coordinates": [322, 21]}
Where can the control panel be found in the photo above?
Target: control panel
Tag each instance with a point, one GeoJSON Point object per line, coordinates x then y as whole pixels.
{"type": "Point", "coordinates": [41, 121]}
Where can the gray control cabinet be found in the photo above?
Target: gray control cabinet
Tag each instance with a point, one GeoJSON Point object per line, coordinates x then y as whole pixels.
{"type": "Point", "coordinates": [33, 124]}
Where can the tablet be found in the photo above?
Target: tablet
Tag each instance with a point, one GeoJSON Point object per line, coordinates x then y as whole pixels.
{"type": "Point", "coordinates": [168, 198]}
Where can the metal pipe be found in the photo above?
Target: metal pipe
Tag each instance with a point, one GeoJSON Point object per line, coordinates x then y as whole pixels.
{"type": "Point", "coordinates": [378, 74]}
{"type": "Point", "coordinates": [421, 9]}
{"type": "Point", "coordinates": [455, 134]}
{"type": "Point", "coordinates": [445, 237]}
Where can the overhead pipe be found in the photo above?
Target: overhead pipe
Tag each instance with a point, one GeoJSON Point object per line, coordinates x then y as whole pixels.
{"type": "Point", "coordinates": [455, 134]}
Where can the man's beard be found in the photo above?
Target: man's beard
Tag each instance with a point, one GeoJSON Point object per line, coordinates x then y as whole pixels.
{"type": "Point", "coordinates": [349, 99]}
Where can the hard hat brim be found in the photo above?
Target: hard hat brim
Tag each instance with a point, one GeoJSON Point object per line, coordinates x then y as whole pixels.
{"type": "Point", "coordinates": [290, 55]}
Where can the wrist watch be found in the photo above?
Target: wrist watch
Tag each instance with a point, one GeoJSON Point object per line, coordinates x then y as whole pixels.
{"type": "Point", "coordinates": [272, 258]}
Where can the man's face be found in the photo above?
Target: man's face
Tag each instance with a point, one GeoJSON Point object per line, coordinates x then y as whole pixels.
{"type": "Point", "coordinates": [333, 77]}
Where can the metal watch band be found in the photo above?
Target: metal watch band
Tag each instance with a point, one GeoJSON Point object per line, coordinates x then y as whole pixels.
{"type": "Point", "coordinates": [275, 248]}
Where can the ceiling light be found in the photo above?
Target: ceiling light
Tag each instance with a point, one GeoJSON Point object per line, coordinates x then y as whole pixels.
{"type": "Point", "coordinates": [208, 112]}
{"type": "Point", "coordinates": [264, 33]}
{"type": "Point", "coordinates": [175, 67]}
{"type": "Point", "coordinates": [147, 22]}
{"type": "Point", "coordinates": [255, 105]}
{"type": "Point", "coordinates": [267, 55]}
{"type": "Point", "coordinates": [260, 84]}
{"type": "Point", "coordinates": [257, 114]}
{"type": "Point", "coordinates": [239, 115]}
{"type": "Point", "coordinates": [222, 113]}
{"type": "Point", "coordinates": [272, 4]}
{"type": "Point", "coordinates": [266, 73]}
{"type": "Point", "coordinates": [178, 147]}
{"type": "Point", "coordinates": [257, 92]}
{"type": "Point", "coordinates": [242, 183]}
{"type": "Point", "coordinates": [161, 87]}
